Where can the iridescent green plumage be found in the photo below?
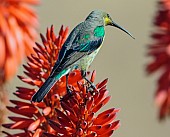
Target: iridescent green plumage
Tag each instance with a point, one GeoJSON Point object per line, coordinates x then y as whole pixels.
{"type": "Point", "coordinates": [79, 50]}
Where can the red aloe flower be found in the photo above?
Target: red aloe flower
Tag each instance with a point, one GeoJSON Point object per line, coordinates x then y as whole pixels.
{"type": "Point", "coordinates": [59, 114]}
{"type": "Point", "coordinates": [3, 102]}
{"type": "Point", "coordinates": [77, 116]}
{"type": "Point", "coordinates": [18, 23]}
{"type": "Point", "coordinates": [160, 51]}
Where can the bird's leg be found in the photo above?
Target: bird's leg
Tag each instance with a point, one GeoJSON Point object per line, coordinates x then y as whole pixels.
{"type": "Point", "coordinates": [69, 92]}
{"type": "Point", "coordinates": [83, 74]}
{"type": "Point", "coordinates": [67, 86]}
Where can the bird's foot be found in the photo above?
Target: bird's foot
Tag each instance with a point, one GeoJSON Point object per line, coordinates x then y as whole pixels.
{"type": "Point", "coordinates": [69, 91]}
{"type": "Point", "coordinates": [91, 88]}
{"type": "Point", "coordinates": [68, 94]}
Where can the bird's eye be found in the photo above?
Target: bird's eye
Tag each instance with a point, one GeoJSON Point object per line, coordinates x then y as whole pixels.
{"type": "Point", "coordinates": [108, 15]}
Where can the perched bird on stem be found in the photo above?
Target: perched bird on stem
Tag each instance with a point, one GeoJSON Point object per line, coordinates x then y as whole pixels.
{"type": "Point", "coordinates": [79, 50]}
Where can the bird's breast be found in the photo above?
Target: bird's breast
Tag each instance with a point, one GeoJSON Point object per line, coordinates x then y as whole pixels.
{"type": "Point", "coordinates": [86, 61]}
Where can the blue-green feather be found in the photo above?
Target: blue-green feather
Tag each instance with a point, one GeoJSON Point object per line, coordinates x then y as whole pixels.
{"type": "Point", "coordinates": [91, 46]}
{"type": "Point", "coordinates": [99, 31]}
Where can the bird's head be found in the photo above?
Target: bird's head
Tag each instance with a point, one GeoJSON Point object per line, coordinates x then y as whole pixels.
{"type": "Point", "coordinates": [108, 21]}
{"type": "Point", "coordinates": [105, 19]}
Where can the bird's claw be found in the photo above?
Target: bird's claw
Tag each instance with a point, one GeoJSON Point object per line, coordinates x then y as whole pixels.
{"type": "Point", "coordinates": [92, 88]}
{"type": "Point", "coordinates": [69, 91]}
{"type": "Point", "coordinates": [67, 96]}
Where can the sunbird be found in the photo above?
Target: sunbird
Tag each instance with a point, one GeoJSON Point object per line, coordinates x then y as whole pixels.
{"type": "Point", "coordinates": [79, 50]}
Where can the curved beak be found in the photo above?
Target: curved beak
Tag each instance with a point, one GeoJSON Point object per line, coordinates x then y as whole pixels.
{"type": "Point", "coordinates": [119, 27]}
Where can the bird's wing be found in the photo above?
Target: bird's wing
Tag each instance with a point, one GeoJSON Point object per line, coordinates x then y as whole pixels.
{"type": "Point", "coordinates": [67, 44]}
{"type": "Point", "coordinates": [77, 48]}
{"type": "Point", "coordinates": [74, 54]}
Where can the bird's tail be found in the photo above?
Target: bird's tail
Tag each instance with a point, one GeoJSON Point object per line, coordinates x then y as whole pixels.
{"type": "Point", "coordinates": [45, 88]}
